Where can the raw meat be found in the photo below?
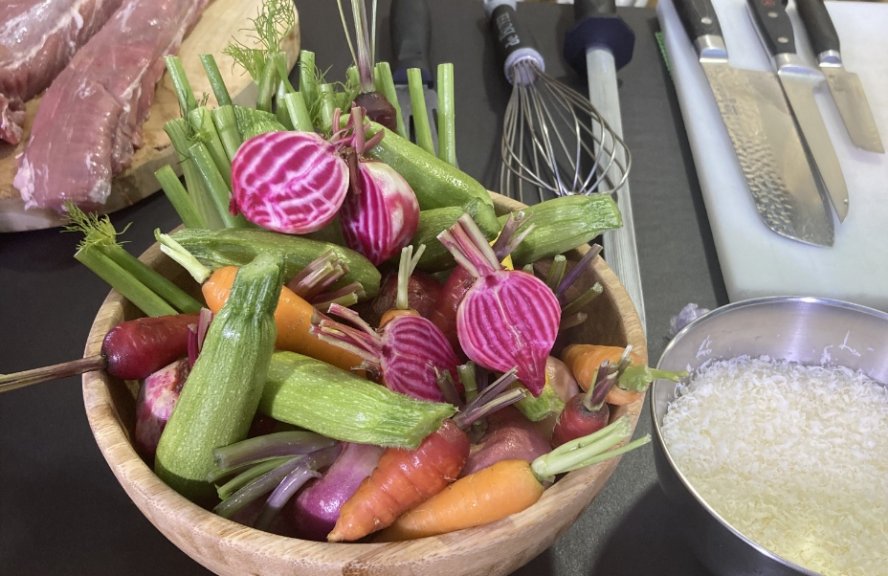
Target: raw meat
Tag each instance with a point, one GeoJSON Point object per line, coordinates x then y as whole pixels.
{"type": "Point", "coordinates": [37, 40]}
{"type": "Point", "coordinates": [89, 121]}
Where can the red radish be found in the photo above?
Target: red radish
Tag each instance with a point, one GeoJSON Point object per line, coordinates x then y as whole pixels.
{"type": "Point", "coordinates": [411, 354]}
{"type": "Point", "coordinates": [587, 412]}
{"type": "Point", "coordinates": [381, 213]}
{"type": "Point", "coordinates": [509, 435]}
{"type": "Point", "coordinates": [314, 512]}
{"type": "Point", "coordinates": [508, 318]}
{"type": "Point", "coordinates": [290, 182]}
{"type": "Point", "coordinates": [154, 406]}
{"type": "Point", "coordinates": [423, 293]}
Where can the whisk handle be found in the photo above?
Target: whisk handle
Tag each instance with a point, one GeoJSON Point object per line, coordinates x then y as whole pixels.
{"type": "Point", "coordinates": [598, 25]}
{"type": "Point", "coordinates": [513, 42]}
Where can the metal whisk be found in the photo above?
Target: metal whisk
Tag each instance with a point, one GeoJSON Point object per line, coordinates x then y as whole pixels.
{"type": "Point", "coordinates": [554, 142]}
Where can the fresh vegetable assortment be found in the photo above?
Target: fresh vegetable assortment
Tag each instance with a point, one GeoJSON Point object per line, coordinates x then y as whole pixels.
{"type": "Point", "coordinates": [293, 212]}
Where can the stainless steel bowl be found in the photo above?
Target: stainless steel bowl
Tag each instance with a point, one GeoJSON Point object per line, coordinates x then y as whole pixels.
{"type": "Point", "coordinates": [805, 330]}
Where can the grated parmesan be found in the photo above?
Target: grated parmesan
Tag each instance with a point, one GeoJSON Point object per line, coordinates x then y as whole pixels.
{"type": "Point", "coordinates": [794, 457]}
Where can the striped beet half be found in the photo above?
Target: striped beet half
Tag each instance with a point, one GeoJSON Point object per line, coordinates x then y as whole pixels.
{"type": "Point", "coordinates": [410, 353]}
{"type": "Point", "coordinates": [380, 214]}
{"type": "Point", "coordinates": [289, 182]}
{"type": "Point", "coordinates": [414, 354]}
{"type": "Point", "coordinates": [507, 318]}
{"type": "Point", "coordinates": [510, 318]}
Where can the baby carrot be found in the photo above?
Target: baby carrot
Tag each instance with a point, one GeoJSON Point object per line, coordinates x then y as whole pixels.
{"type": "Point", "coordinates": [584, 361]}
{"type": "Point", "coordinates": [402, 479]}
{"type": "Point", "coordinates": [292, 317]}
{"type": "Point", "coordinates": [506, 487]}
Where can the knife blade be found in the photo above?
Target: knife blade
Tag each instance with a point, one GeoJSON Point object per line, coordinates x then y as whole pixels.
{"type": "Point", "coordinates": [761, 128]}
{"type": "Point", "coordinates": [845, 87]}
{"type": "Point", "coordinates": [410, 27]}
{"type": "Point", "coordinates": [799, 82]}
{"type": "Point", "coordinates": [597, 45]}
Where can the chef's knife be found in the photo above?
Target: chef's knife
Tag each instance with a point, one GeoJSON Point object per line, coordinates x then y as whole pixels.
{"type": "Point", "coordinates": [799, 83]}
{"type": "Point", "coordinates": [845, 86]}
{"type": "Point", "coordinates": [410, 24]}
{"type": "Point", "coordinates": [597, 45]}
{"type": "Point", "coordinates": [762, 131]}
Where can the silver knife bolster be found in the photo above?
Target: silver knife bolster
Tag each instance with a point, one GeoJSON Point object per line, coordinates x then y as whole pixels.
{"type": "Point", "coordinates": [711, 47]}
{"type": "Point", "coordinates": [830, 59]}
{"type": "Point", "coordinates": [792, 62]}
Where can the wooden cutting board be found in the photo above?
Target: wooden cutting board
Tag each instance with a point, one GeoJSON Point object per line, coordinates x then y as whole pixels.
{"type": "Point", "coordinates": [222, 21]}
{"type": "Point", "coordinates": [754, 261]}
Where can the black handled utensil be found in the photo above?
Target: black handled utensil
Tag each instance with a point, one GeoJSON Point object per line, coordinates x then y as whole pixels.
{"type": "Point", "coordinates": [410, 24]}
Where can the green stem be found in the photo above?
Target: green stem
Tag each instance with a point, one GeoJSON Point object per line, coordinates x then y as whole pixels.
{"type": "Point", "coordinates": [217, 83]}
{"type": "Point", "coordinates": [183, 257]}
{"type": "Point", "coordinates": [178, 131]}
{"type": "Point", "coordinates": [385, 85]}
{"type": "Point", "coordinates": [187, 101]}
{"type": "Point", "coordinates": [203, 127]}
{"type": "Point", "coordinates": [299, 115]}
{"type": "Point", "coordinates": [123, 282]}
{"type": "Point", "coordinates": [308, 79]}
{"type": "Point", "coordinates": [267, 87]}
{"type": "Point", "coordinates": [586, 450]}
{"type": "Point", "coordinates": [218, 189]}
{"type": "Point", "coordinates": [247, 475]}
{"type": "Point", "coordinates": [178, 197]}
{"type": "Point", "coordinates": [225, 121]}
{"type": "Point", "coordinates": [422, 130]}
{"type": "Point", "coordinates": [446, 114]}
{"type": "Point", "coordinates": [327, 99]}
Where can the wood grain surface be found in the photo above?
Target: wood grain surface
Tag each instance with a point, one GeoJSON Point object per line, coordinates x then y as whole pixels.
{"type": "Point", "coordinates": [222, 21]}
{"type": "Point", "coordinates": [229, 548]}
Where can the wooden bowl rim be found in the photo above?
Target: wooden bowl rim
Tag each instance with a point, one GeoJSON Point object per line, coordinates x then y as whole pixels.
{"type": "Point", "coordinates": [157, 501]}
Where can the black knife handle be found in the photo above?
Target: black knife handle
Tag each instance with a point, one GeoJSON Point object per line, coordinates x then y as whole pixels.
{"type": "Point", "coordinates": [589, 8]}
{"type": "Point", "coordinates": [698, 17]}
{"type": "Point", "coordinates": [597, 25]}
{"type": "Point", "coordinates": [410, 25]}
{"type": "Point", "coordinates": [819, 26]}
{"type": "Point", "coordinates": [774, 25]}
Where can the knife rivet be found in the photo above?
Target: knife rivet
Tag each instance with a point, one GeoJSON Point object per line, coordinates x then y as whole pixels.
{"type": "Point", "coordinates": [706, 20]}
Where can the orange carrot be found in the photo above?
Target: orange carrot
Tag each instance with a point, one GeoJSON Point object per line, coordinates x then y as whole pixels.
{"type": "Point", "coordinates": [584, 361]}
{"type": "Point", "coordinates": [507, 487]}
{"type": "Point", "coordinates": [292, 317]}
{"type": "Point", "coordinates": [402, 479]}
{"type": "Point", "coordinates": [490, 494]}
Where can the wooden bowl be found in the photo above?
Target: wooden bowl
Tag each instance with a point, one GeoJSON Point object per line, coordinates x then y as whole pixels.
{"type": "Point", "coordinates": [229, 548]}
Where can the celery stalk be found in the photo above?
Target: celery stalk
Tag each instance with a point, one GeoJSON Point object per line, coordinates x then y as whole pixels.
{"type": "Point", "coordinates": [119, 279]}
{"type": "Point", "coordinates": [446, 114]}
{"type": "Point", "coordinates": [178, 197]}
{"type": "Point", "coordinates": [419, 113]}
{"type": "Point", "coordinates": [299, 115]}
{"type": "Point", "coordinates": [385, 85]}
{"type": "Point", "coordinates": [225, 121]}
{"type": "Point", "coordinates": [220, 91]}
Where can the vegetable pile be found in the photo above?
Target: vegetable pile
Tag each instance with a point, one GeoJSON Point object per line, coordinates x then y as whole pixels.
{"type": "Point", "coordinates": [373, 346]}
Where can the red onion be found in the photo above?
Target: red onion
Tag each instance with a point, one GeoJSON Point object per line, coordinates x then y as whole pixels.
{"type": "Point", "coordinates": [508, 318]}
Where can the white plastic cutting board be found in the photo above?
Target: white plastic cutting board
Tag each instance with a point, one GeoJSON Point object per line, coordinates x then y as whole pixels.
{"type": "Point", "coordinates": [755, 261]}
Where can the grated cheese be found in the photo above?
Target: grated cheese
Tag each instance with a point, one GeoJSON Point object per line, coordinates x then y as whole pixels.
{"type": "Point", "coordinates": [794, 457]}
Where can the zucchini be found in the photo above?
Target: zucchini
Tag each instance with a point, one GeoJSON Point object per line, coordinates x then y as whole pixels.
{"type": "Point", "coordinates": [317, 396]}
{"type": "Point", "coordinates": [564, 223]}
{"type": "Point", "coordinates": [435, 220]}
{"type": "Point", "coordinates": [222, 391]}
{"type": "Point", "coordinates": [238, 246]}
{"type": "Point", "coordinates": [435, 182]}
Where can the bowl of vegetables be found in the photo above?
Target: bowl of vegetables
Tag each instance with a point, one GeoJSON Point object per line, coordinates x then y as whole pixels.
{"type": "Point", "coordinates": [773, 449]}
{"type": "Point", "coordinates": [227, 546]}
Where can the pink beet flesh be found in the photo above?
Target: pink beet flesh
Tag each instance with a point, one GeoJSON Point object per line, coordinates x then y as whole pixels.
{"type": "Point", "coordinates": [154, 406]}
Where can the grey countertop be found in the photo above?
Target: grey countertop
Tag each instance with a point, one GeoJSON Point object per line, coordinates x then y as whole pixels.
{"type": "Point", "coordinates": [62, 511]}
